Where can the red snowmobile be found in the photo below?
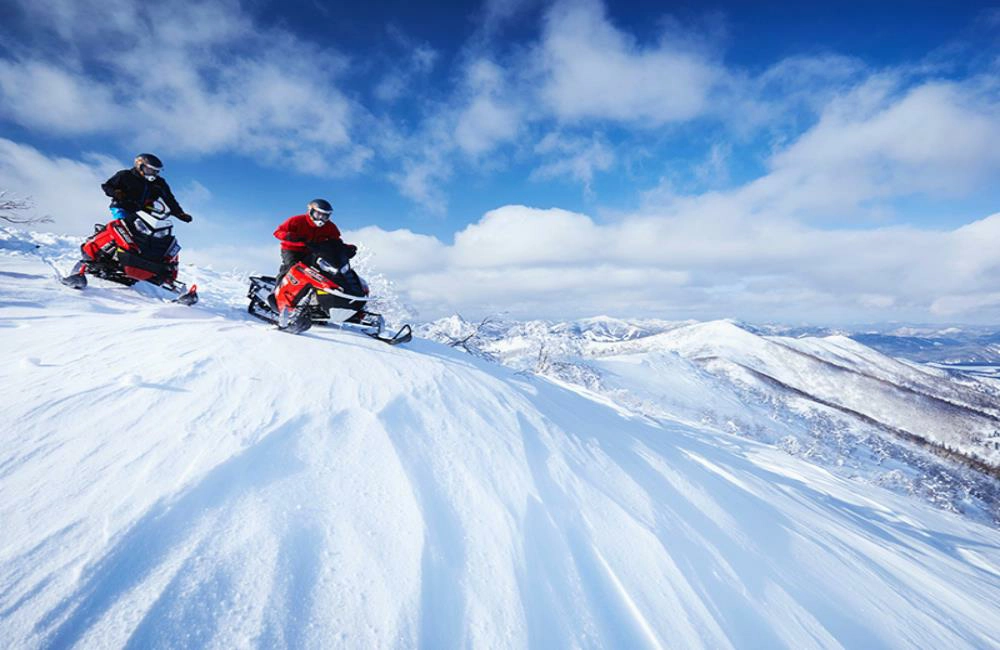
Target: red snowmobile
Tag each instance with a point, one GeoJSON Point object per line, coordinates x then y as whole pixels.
{"type": "Point", "coordinates": [136, 248]}
{"type": "Point", "coordinates": [325, 291]}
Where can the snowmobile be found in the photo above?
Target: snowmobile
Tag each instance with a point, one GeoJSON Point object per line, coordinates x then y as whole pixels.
{"type": "Point", "coordinates": [140, 247]}
{"type": "Point", "coordinates": [325, 291]}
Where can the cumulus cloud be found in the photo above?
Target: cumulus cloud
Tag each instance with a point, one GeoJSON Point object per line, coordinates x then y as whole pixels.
{"type": "Point", "coordinates": [555, 263]}
{"type": "Point", "coordinates": [400, 251]}
{"type": "Point", "coordinates": [591, 70]}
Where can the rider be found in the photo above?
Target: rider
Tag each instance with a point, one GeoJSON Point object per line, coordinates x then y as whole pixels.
{"type": "Point", "coordinates": [312, 227]}
{"type": "Point", "coordinates": [132, 189]}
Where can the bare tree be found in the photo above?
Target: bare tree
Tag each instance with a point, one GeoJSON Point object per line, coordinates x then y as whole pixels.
{"type": "Point", "coordinates": [453, 342]}
{"type": "Point", "coordinates": [11, 206]}
{"type": "Point", "coordinates": [469, 343]}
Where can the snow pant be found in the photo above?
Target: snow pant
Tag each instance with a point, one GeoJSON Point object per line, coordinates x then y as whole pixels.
{"type": "Point", "coordinates": [121, 213]}
{"type": "Point", "coordinates": [289, 258]}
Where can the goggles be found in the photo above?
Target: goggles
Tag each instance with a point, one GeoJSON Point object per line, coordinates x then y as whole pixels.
{"type": "Point", "coordinates": [319, 215]}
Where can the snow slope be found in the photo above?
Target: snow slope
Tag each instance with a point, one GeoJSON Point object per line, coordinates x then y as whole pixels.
{"type": "Point", "coordinates": [920, 400]}
{"type": "Point", "coordinates": [185, 477]}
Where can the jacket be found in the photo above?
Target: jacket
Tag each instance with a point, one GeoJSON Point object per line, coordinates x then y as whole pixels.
{"type": "Point", "coordinates": [300, 228]}
{"type": "Point", "coordinates": [138, 191]}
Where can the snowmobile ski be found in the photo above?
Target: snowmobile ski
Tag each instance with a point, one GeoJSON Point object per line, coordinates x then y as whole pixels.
{"type": "Point", "coordinates": [189, 297]}
{"type": "Point", "coordinates": [404, 335]}
{"type": "Point", "coordinates": [77, 278]}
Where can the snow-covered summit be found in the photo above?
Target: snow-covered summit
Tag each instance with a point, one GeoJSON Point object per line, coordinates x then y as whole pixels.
{"type": "Point", "coordinates": [187, 477]}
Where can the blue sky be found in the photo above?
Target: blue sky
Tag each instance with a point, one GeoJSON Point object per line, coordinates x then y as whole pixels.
{"type": "Point", "coordinates": [762, 161]}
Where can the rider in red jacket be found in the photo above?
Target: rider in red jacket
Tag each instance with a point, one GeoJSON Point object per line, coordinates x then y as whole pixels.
{"type": "Point", "coordinates": [296, 232]}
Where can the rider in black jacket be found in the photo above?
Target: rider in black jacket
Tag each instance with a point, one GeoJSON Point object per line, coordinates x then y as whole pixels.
{"type": "Point", "coordinates": [132, 189]}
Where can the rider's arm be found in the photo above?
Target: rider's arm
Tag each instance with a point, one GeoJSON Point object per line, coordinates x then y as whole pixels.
{"type": "Point", "coordinates": [168, 196]}
{"type": "Point", "coordinates": [285, 231]}
{"type": "Point", "coordinates": [114, 183]}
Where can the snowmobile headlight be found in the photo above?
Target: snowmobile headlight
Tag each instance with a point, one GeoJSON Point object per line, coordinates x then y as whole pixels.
{"type": "Point", "coordinates": [141, 226]}
{"type": "Point", "coordinates": [160, 234]}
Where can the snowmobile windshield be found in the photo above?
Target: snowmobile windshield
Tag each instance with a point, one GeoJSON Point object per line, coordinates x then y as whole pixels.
{"type": "Point", "coordinates": [328, 268]}
{"type": "Point", "coordinates": [152, 225]}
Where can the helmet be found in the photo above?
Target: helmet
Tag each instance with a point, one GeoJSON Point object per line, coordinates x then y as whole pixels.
{"type": "Point", "coordinates": [319, 211]}
{"type": "Point", "coordinates": [148, 165]}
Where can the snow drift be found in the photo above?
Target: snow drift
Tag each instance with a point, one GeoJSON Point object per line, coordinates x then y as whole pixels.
{"type": "Point", "coordinates": [186, 477]}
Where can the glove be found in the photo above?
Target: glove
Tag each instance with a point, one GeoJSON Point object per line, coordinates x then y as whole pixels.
{"type": "Point", "coordinates": [351, 250]}
{"type": "Point", "coordinates": [292, 238]}
{"type": "Point", "coordinates": [184, 216]}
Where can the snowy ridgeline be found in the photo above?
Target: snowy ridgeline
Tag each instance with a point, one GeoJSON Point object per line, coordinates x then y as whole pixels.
{"type": "Point", "coordinates": [915, 428]}
{"type": "Point", "coordinates": [190, 478]}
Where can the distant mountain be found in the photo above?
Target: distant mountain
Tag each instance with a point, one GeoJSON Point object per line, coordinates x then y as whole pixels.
{"type": "Point", "coordinates": [922, 429]}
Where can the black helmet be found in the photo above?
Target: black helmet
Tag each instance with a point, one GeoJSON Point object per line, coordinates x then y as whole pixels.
{"type": "Point", "coordinates": [319, 211]}
{"type": "Point", "coordinates": [148, 165]}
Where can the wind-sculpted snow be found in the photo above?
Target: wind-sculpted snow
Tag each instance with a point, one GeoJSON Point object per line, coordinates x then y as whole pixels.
{"type": "Point", "coordinates": [188, 478]}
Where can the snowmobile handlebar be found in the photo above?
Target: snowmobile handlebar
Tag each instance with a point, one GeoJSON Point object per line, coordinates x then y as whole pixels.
{"type": "Point", "coordinates": [160, 212]}
{"type": "Point", "coordinates": [157, 209]}
{"type": "Point", "coordinates": [334, 252]}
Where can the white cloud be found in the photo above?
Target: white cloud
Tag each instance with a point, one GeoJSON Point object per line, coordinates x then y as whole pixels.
{"type": "Point", "coordinates": [574, 157]}
{"type": "Point", "coordinates": [702, 259]}
{"type": "Point", "coordinates": [937, 139]}
{"type": "Point", "coordinates": [555, 263]}
{"type": "Point", "coordinates": [485, 119]}
{"type": "Point", "coordinates": [67, 190]}
{"type": "Point", "coordinates": [399, 251]}
{"type": "Point", "coordinates": [202, 79]}
{"type": "Point", "coordinates": [592, 70]}
{"type": "Point", "coordinates": [872, 144]}
{"type": "Point", "coordinates": [422, 174]}
{"type": "Point", "coordinates": [473, 123]}
{"type": "Point", "coordinates": [962, 305]}
{"type": "Point", "coordinates": [484, 123]}
{"type": "Point", "coordinates": [42, 96]}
